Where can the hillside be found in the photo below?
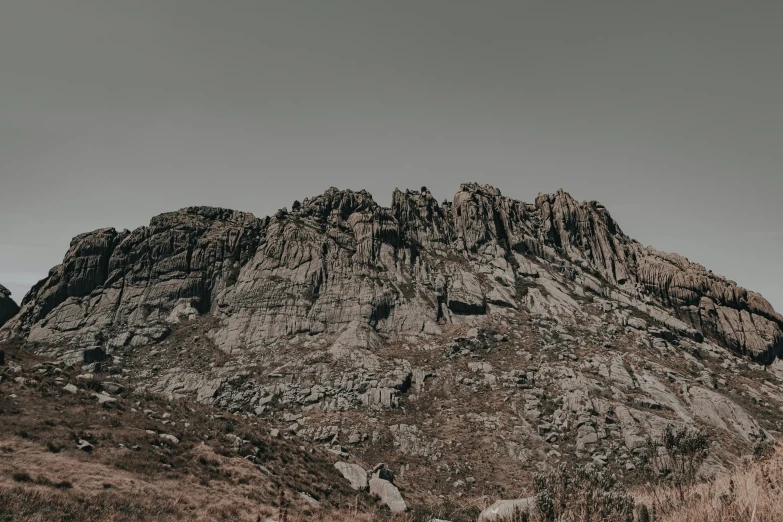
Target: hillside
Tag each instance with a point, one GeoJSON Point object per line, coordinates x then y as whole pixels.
{"type": "Point", "coordinates": [466, 344]}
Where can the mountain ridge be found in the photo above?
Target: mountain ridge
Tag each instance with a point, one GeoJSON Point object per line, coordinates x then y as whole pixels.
{"type": "Point", "coordinates": [584, 233]}
{"type": "Point", "coordinates": [466, 344]}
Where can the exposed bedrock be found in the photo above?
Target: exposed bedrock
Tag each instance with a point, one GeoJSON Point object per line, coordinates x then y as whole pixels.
{"type": "Point", "coordinates": [340, 258]}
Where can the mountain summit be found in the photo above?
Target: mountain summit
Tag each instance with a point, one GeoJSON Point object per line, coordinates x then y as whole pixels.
{"type": "Point", "coordinates": [458, 342]}
{"type": "Point", "coordinates": [340, 257]}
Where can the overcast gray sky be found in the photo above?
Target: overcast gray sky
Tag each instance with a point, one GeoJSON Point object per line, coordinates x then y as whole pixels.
{"type": "Point", "coordinates": [669, 113]}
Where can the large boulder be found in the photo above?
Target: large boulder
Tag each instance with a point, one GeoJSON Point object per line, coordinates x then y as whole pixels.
{"type": "Point", "coordinates": [354, 474]}
{"type": "Point", "coordinates": [389, 495]}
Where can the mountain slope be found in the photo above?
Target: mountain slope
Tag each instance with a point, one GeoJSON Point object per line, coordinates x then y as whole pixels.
{"type": "Point", "coordinates": [457, 342]}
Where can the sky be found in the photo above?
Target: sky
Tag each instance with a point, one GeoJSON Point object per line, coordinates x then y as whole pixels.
{"type": "Point", "coordinates": [669, 113]}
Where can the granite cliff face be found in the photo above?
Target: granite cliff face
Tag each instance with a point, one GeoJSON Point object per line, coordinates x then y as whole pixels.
{"type": "Point", "coordinates": [8, 308]}
{"type": "Point", "coordinates": [340, 258]}
{"type": "Point", "coordinates": [464, 343]}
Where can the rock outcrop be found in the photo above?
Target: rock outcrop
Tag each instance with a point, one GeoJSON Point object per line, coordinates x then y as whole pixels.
{"type": "Point", "coordinates": [112, 280]}
{"type": "Point", "coordinates": [8, 308]}
{"type": "Point", "coordinates": [339, 258]}
{"type": "Point", "coordinates": [447, 340]}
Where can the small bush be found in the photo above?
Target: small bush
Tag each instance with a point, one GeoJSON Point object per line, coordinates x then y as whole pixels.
{"type": "Point", "coordinates": [642, 513]}
{"type": "Point", "coordinates": [584, 494]}
{"type": "Point", "coordinates": [22, 477]}
{"type": "Point", "coordinates": [677, 455]}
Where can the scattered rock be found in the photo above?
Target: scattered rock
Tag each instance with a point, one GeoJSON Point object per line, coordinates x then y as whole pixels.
{"type": "Point", "coordinates": [354, 474]}
{"type": "Point", "coordinates": [112, 387]}
{"type": "Point", "coordinates": [105, 400]}
{"type": "Point", "coordinates": [337, 306]}
{"type": "Point", "coordinates": [504, 509]}
{"type": "Point", "coordinates": [384, 473]}
{"type": "Point", "coordinates": [389, 494]}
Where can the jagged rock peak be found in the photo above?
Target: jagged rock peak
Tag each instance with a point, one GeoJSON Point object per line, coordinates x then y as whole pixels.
{"type": "Point", "coordinates": [341, 202]}
{"type": "Point", "coordinates": [202, 212]}
{"type": "Point", "coordinates": [339, 257]}
{"type": "Point", "coordinates": [484, 190]}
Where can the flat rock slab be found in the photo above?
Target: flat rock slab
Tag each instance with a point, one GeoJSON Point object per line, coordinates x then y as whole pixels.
{"type": "Point", "coordinates": [504, 509]}
{"type": "Point", "coordinates": [105, 400]}
{"type": "Point", "coordinates": [389, 495]}
{"type": "Point", "coordinates": [354, 474]}
{"type": "Point", "coordinates": [112, 387]}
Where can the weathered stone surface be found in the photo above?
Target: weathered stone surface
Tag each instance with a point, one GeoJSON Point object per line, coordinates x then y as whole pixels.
{"type": "Point", "coordinates": [776, 368]}
{"type": "Point", "coordinates": [355, 346]}
{"type": "Point", "coordinates": [544, 333]}
{"type": "Point", "coordinates": [104, 399]}
{"type": "Point", "coordinates": [120, 279]}
{"type": "Point", "coordinates": [339, 258]}
{"type": "Point", "coordinates": [713, 304]}
{"type": "Point", "coordinates": [169, 438]}
{"type": "Point", "coordinates": [353, 473]}
{"type": "Point", "coordinates": [112, 387]}
{"type": "Point", "coordinates": [663, 395]}
{"type": "Point", "coordinates": [723, 413]}
{"type": "Point", "coordinates": [465, 294]}
{"type": "Point", "coordinates": [411, 441]}
{"type": "Point", "coordinates": [389, 495]}
{"type": "Point", "coordinates": [505, 509]}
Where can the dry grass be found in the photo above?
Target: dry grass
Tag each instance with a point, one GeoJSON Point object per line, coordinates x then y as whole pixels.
{"type": "Point", "coordinates": [753, 492]}
{"type": "Point", "coordinates": [44, 477]}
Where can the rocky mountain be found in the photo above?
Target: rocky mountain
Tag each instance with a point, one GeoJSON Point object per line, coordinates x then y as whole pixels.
{"type": "Point", "coordinates": [465, 344]}
{"type": "Point", "coordinates": [8, 308]}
